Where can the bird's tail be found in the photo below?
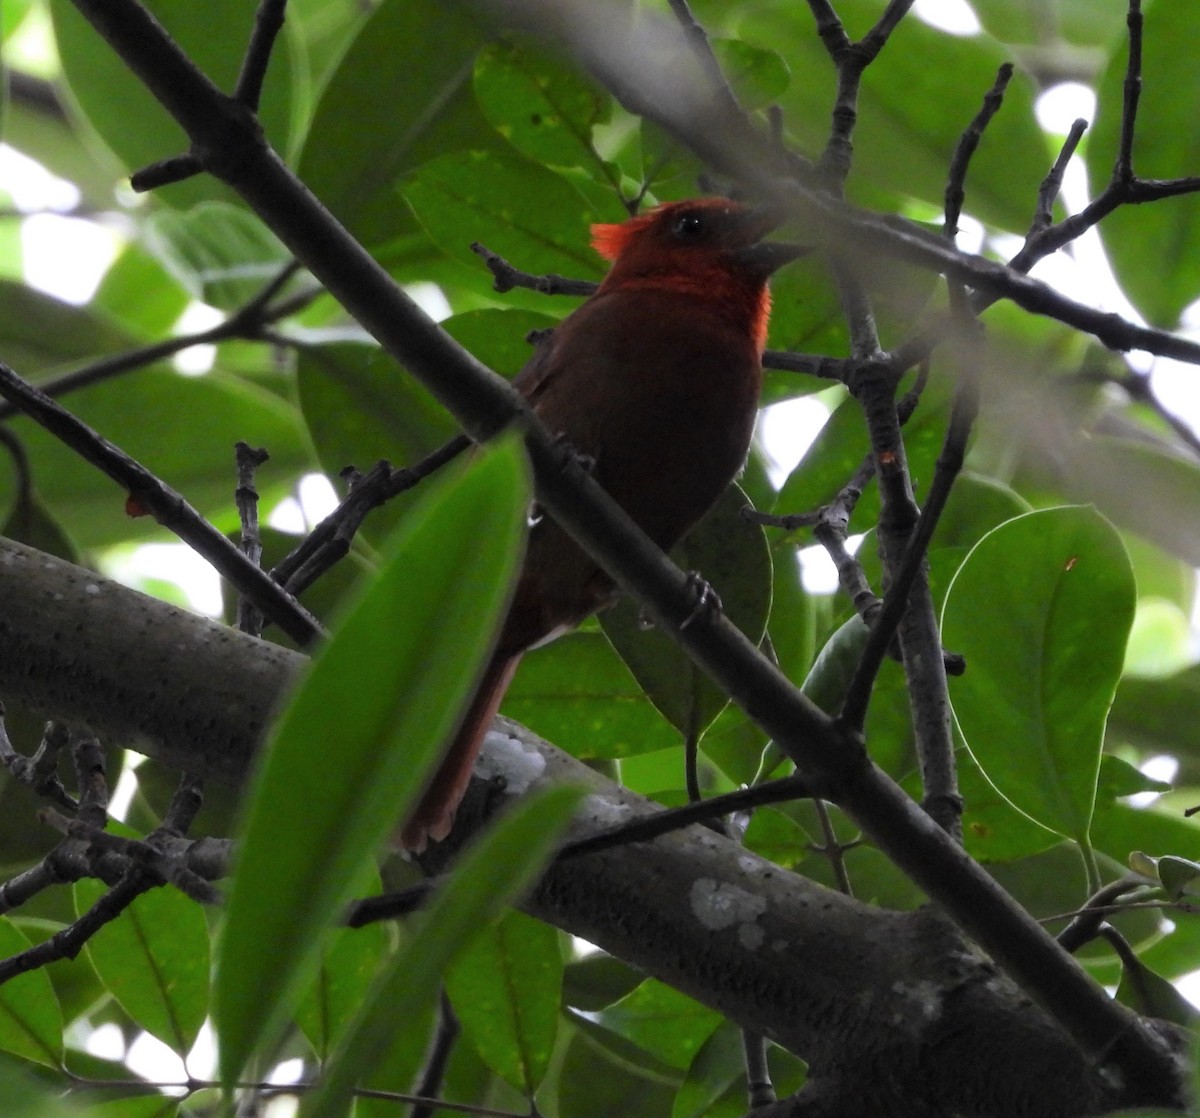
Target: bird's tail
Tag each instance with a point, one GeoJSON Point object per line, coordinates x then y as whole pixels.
{"type": "Point", "coordinates": [434, 815]}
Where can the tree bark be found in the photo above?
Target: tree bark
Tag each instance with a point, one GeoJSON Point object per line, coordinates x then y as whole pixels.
{"type": "Point", "coordinates": [895, 1012]}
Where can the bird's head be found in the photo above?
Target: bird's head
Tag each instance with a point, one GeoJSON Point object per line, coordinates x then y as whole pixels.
{"type": "Point", "coordinates": [707, 247]}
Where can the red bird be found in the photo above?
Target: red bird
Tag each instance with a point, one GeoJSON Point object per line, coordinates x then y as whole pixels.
{"type": "Point", "coordinates": [656, 379]}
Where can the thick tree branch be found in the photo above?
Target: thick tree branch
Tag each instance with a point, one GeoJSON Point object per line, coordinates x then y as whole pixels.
{"type": "Point", "coordinates": [865, 995]}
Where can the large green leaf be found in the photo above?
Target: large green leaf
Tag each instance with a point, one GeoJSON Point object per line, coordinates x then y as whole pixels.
{"type": "Point", "coordinates": [350, 754]}
{"type": "Point", "coordinates": [110, 96]}
{"type": "Point", "coordinates": [1155, 249]}
{"type": "Point", "coordinates": [154, 960]}
{"type": "Point", "coordinates": [521, 841]}
{"type": "Point", "coordinates": [400, 95]}
{"type": "Point", "coordinates": [1041, 608]}
{"type": "Point", "coordinates": [506, 988]}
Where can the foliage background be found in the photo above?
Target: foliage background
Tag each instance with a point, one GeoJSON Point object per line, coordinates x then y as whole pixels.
{"type": "Point", "coordinates": [422, 136]}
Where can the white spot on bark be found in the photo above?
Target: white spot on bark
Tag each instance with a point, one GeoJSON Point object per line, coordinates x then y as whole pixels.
{"type": "Point", "coordinates": [925, 996]}
{"type": "Point", "coordinates": [719, 905]}
{"type": "Point", "coordinates": [508, 757]}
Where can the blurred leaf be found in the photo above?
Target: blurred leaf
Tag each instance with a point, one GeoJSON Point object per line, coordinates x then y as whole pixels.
{"type": "Point", "coordinates": [110, 96]}
{"type": "Point", "coordinates": [154, 959]}
{"type": "Point", "coordinates": [597, 980]}
{"type": "Point", "coordinates": [521, 841]}
{"type": "Point", "coordinates": [720, 1063]}
{"type": "Point", "coordinates": [39, 333]}
{"type": "Point", "coordinates": [1180, 877]}
{"type": "Point", "coordinates": [1073, 22]}
{"type": "Point", "coordinates": [31, 522]}
{"type": "Point", "coordinates": [1155, 250]}
{"type": "Point", "coordinates": [506, 988]}
{"type": "Point", "coordinates": [1041, 609]}
{"type": "Point", "coordinates": [1142, 487]}
{"type": "Point", "coordinates": [369, 129]}
{"type": "Point", "coordinates": [758, 76]}
{"type": "Point", "coordinates": [387, 689]}
{"type": "Point", "coordinates": [732, 556]}
{"type": "Point", "coordinates": [1159, 715]}
{"type": "Point", "coordinates": [137, 292]}
{"type": "Point", "coordinates": [220, 254]}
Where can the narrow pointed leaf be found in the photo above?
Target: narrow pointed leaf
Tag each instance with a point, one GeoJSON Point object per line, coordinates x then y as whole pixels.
{"type": "Point", "coordinates": [520, 842]}
{"type": "Point", "coordinates": [351, 752]}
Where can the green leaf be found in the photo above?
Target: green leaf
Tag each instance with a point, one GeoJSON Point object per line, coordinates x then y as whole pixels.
{"type": "Point", "coordinates": [1180, 877]}
{"type": "Point", "coordinates": [350, 754]}
{"type": "Point", "coordinates": [595, 1083]}
{"type": "Point", "coordinates": [1074, 22]}
{"type": "Point", "coordinates": [1143, 487]}
{"type": "Point", "coordinates": [1041, 608]}
{"type": "Point", "coordinates": [661, 1021]}
{"type": "Point", "coordinates": [532, 217]}
{"type": "Point", "coordinates": [140, 294]}
{"type": "Point", "coordinates": [195, 457]}
{"type": "Point", "coordinates": [577, 693]}
{"type": "Point", "coordinates": [506, 988]}
{"type": "Point", "coordinates": [541, 107]}
{"type": "Point", "coordinates": [1155, 249]}
{"type": "Point", "coordinates": [732, 555]}
{"type": "Point", "coordinates": [841, 447]}
{"type": "Point", "coordinates": [31, 522]}
{"type": "Point", "coordinates": [720, 1063]}
{"type": "Point", "coordinates": [39, 333]}
{"type": "Point", "coordinates": [1154, 714]}
{"type": "Point", "coordinates": [1152, 995]}
{"type": "Point", "coordinates": [521, 841]}
{"type": "Point", "coordinates": [31, 1023]}
{"type": "Point", "coordinates": [110, 96]}
{"type": "Point", "coordinates": [370, 128]}
{"type": "Point", "coordinates": [350, 958]}
{"type": "Point", "coordinates": [154, 959]}
{"type": "Point", "coordinates": [222, 255]}
{"type": "Point", "coordinates": [758, 76]}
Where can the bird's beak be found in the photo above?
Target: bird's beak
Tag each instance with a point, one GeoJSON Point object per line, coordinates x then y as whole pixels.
{"type": "Point", "coordinates": [766, 257]}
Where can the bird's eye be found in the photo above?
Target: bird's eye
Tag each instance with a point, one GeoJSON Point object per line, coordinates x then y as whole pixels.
{"type": "Point", "coordinates": [689, 226]}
